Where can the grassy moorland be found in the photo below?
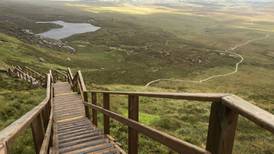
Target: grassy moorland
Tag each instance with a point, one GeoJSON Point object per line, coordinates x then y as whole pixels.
{"type": "Point", "coordinates": [16, 98]}
{"type": "Point", "coordinates": [141, 44]}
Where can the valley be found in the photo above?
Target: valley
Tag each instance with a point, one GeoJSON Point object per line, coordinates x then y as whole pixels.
{"type": "Point", "coordinates": [185, 48]}
{"type": "Point", "coordinates": [229, 51]}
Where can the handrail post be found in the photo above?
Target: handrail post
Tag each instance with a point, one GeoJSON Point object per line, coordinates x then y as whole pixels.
{"type": "Point", "coordinates": [133, 113]}
{"type": "Point", "coordinates": [3, 148]}
{"type": "Point", "coordinates": [86, 107]}
{"type": "Point", "coordinates": [38, 131]}
{"type": "Point", "coordinates": [107, 107]}
{"type": "Point", "coordinates": [94, 112]}
{"type": "Point", "coordinates": [221, 129]}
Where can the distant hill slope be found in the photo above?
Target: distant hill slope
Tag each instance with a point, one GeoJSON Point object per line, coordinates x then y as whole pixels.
{"type": "Point", "coordinates": [14, 51]}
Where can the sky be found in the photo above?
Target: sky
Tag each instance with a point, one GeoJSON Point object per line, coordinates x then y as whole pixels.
{"type": "Point", "coordinates": [173, 1]}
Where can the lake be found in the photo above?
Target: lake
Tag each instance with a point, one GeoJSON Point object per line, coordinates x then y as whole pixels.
{"type": "Point", "coordinates": [67, 30]}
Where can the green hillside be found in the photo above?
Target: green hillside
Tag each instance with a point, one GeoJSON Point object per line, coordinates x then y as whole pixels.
{"type": "Point", "coordinates": [184, 119]}
{"type": "Point", "coordinates": [17, 98]}
{"type": "Point", "coordinates": [132, 49]}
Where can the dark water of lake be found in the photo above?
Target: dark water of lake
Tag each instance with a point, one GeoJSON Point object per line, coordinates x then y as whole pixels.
{"type": "Point", "coordinates": [67, 30]}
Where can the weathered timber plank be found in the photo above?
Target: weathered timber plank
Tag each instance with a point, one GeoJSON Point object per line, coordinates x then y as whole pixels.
{"type": "Point", "coordinates": [170, 141]}
{"type": "Point", "coordinates": [133, 113]}
{"type": "Point", "coordinates": [106, 106]}
{"type": "Point", "coordinates": [38, 132]}
{"type": "Point", "coordinates": [221, 130]}
{"type": "Point", "coordinates": [250, 111]}
{"type": "Point", "coordinates": [94, 112]}
{"type": "Point", "coordinates": [187, 96]}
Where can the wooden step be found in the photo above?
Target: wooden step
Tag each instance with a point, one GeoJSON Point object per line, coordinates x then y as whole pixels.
{"type": "Point", "coordinates": [95, 149]}
{"type": "Point", "coordinates": [71, 127]}
{"type": "Point", "coordinates": [90, 131]}
{"type": "Point", "coordinates": [90, 144]}
{"type": "Point", "coordinates": [91, 149]}
{"type": "Point", "coordinates": [111, 150]}
{"type": "Point", "coordinates": [66, 139]}
{"type": "Point", "coordinates": [79, 141]}
{"type": "Point", "coordinates": [74, 133]}
{"type": "Point", "coordinates": [80, 135]}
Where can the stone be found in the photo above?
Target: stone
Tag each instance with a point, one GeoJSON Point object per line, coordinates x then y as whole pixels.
{"type": "Point", "coordinates": [69, 48]}
{"type": "Point", "coordinates": [41, 59]}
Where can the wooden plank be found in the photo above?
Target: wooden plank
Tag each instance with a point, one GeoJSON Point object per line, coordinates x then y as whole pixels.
{"type": "Point", "coordinates": [48, 136]}
{"type": "Point", "coordinates": [86, 107]}
{"type": "Point", "coordinates": [221, 130]}
{"type": "Point", "coordinates": [74, 82]}
{"type": "Point", "coordinates": [94, 112]}
{"type": "Point", "coordinates": [55, 139]}
{"type": "Point", "coordinates": [106, 118]}
{"type": "Point", "coordinates": [133, 113]}
{"type": "Point", "coordinates": [250, 111]}
{"type": "Point", "coordinates": [42, 122]}
{"type": "Point", "coordinates": [116, 144]}
{"type": "Point", "coordinates": [82, 81]}
{"type": "Point", "coordinates": [37, 133]}
{"type": "Point", "coordinates": [3, 148]}
{"type": "Point", "coordinates": [210, 97]}
{"type": "Point", "coordinates": [70, 76]}
{"type": "Point", "coordinates": [34, 73]}
{"type": "Point", "coordinates": [170, 141]}
{"type": "Point", "coordinates": [59, 75]}
{"type": "Point", "coordinates": [13, 130]}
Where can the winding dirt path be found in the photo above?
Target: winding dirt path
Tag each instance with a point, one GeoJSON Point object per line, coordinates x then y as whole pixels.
{"type": "Point", "coordinates": [230, 51]}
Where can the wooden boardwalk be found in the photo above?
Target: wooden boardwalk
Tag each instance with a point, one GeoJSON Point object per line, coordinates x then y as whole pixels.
{"type": "Point", "coordinates": [73, 131]}
{"type": "Point", "coordinates": [66, 120]}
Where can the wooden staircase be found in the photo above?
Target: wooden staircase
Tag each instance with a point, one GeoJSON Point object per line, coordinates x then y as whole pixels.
{"type": "Point", "coordinates": [74, 132]}
{"type": "Point", "coordinates": [66, 120]}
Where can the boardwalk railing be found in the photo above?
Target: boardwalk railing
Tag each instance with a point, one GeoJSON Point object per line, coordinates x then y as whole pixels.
{"type": "Point", "coordinates": [28, 74]}
{"type": "Point", "coordinates": [224, 113]}
{"type": "Point", "coordinates": [59, 75]}
{"type": "Point", "coordinates": [225, 109]}
{"type": "Point", "coordinates": [77, 83]}
{"type": "Point", "coordinates": [39, 119]}
{"type": "Point", "coordinates": [41, 78]}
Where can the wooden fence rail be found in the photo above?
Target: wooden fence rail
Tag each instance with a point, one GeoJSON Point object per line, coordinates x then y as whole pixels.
{"type": "Point", "coordinates": [223, 119]}
{"type": "Point", "coordinates": [28, 75]}
{"type": "Point", "coordinates": [39, 118]}
{"type": "Point", "coordinates": [225, 109]}
{"type": "Point", "coordinates": [59, 75]}
{"type": "Point", "coordinates": [41, 78]}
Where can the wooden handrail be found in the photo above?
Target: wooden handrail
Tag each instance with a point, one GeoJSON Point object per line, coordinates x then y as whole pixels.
{"type": "Point", "coordinates": [222, 123]}
{"type": "Point", "coordinates": [250, 111]}
{"type": "Point", "coordinates": [63, 74]}
{"type": "Point", "coordinates": [58, 75]}
{"type": "Point", "coordinates": [185, 96]}
{"type": "Point", "coordinates": [246, 109]}
{"type": "Point", "coordinates": [83, 86]}
{"type": "Point", "coordinates": [36, 118]}
{"type": "Point", "coordinates": [48, 135]}
{"type": "Point", "coordinates": [77, 84]}
{"type": "Point", "coordinates": [39, 77]}
{"type": "Point", "coordinates": [170, 141]}
{"type": "Point", "coordinates": [70, 76]}
{"type": "Point", "coordinates": [225, 109]}
{"type": "Point", "coordinates": [77, 81]}
{"type": "Point", "coordinates": [37, 74]}
{"type": "Point", "coordinates": [18, 71]}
